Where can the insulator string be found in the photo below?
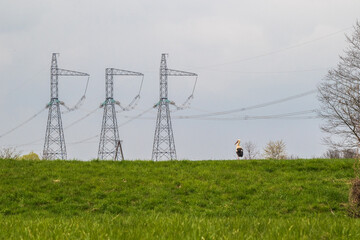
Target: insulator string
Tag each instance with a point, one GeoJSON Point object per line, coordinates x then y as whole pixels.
{"type": "Point", "coordinates": [79, 103]}
{"type": "Point", "coordinates": [133, 104]}
{"type": "Point", "coordinates": [188, 100]}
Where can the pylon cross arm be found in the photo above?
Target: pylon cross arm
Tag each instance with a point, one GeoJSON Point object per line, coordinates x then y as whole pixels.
{"type": "Point", "coordinates": [115, 71]}
{"type": "Point", "coordinates": [64, 72]}
{"type": "Point", "coordinates": [172, 72]}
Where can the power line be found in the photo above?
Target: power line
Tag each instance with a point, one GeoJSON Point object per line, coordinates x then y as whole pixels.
{"type": "Point", "coordinates": [120, 125]}
{"type": "Point", "coordinates": [249, 118]}
{"type": "Point", "coordinates": [35, 142]}
{"type": "Point", "coordinates": [291, 115]}
{"type": "Point", "coordinates": [132, 118]}
{"type": "Point", "coordinates": [271, 72]}
{"type": "Point", "coordinates": [186, 104]}
{"type": "Point", "coordinates": [86, 139]}
{"type": "Point", "coordinates": [132, 105]}
{"type": "Point", "coordinates": [136, 117]}
{"type": "Point", "coordinates": [287, 116]}
{"type": "Point", "coordinates": [82, 118]}
{"type": "Point", "coordinates": [79, 103]}
{"type": "Point", "coordinates": [275, 51]}
{"type": "Point", "coordinates": [22, 124]}
{"type": "Point", "coordinates": [249, 108]}
{"type": "Point", "coordinates": [69, 126]}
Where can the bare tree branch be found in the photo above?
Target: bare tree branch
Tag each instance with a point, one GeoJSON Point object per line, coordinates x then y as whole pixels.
{"type": "Point", "coordinates": [251, 151]}
{"type": "Point", "coordinates": [9, 153]}
{"type": "Point", "coordinates": [275, 150]}
{"type": "Point", "coordinates": [339, 95]}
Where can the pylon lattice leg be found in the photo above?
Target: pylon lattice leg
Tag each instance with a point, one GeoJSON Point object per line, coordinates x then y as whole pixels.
{"type": "Point", "coordinates": [54, 147]}
{"type": "Point", "coordinates": [109, 135]}
{"type": "Point", "coordinates": [164, 144]}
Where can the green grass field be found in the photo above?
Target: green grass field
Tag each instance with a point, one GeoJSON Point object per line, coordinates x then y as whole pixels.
{"type": "Point", "coordinates": [261, 199]}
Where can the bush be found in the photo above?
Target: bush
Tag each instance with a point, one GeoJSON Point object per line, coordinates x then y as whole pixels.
{"type": "Point", "coordinates": [9, 153]}
{"type": "Point", "coordinates": [354, 198]}
{"type": "Point", "coordinates": [354, 194]}
{"type": "Point", "coordinates": [335, 153]}
{"type": "Point", "coordinates": [275, 150]}
{"type": "Point", "coordinates": [30, 156]}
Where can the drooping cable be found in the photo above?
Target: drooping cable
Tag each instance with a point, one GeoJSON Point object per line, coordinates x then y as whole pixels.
{"type": "Point", "coordinates": [86, 139]}
{"type": "Point", "coordinates": [274, 51]}
{"type": "Point", "coordinates": [79, 103]}
{"type": "Point", "coordinates": [133, 104]}
{"type": "Point", "coordinates": [135, 117]}
{"type": "Point", "coordinates": [34, 142]}
{"type": "Point", "coordinates": [291, 115]}
{"type": "Point", "coordinates": [68, 126]}
{"type": "Point", "coordinates": [23, 123]}
{"type": "Point", "coordinates": [252, 107]}
{"type": "Point", "coordinates": [120, 125]}
{"type": "Point", "coordinates": [187, 102]}
{"type": "Point", "coordinates": [82, 118]}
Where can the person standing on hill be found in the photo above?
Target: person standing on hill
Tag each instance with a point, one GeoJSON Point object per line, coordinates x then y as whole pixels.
{"type": "Point", "coordinates": [239, 150]}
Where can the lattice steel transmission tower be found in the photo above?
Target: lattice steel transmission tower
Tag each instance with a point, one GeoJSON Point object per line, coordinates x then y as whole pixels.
{"type": "Point", "coordinates": [110, 144]}
{"type": "Point", "coordinates": [54, 147]}
{"type": "Point", "coordinates": [164, 144]}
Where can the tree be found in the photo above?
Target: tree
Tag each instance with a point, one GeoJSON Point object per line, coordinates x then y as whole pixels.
{"type": "Point", "coordinates": [275, 150]}
{"type": "Point", "coordinates": [250, 149]}
{"type": "Point", "coordinates": [9, 153]}
{"type": "Point", "coordinates": [30, 156]}
{"type": "Point", "coordinates": [332, 154]}
{"type": "Point", "coordinates": [337, 154]}
{"type": "Point", "coordinates": [339, 96]}
{"type": "Point", "coordinates": [349, 153]}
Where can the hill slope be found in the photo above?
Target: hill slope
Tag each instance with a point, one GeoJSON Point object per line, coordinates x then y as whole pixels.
{"type": "Point", "coordinates": [211, 199]}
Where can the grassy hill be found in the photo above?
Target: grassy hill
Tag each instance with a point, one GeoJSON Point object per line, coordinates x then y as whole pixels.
{"type": "Point", "coordinates": [267, 199]}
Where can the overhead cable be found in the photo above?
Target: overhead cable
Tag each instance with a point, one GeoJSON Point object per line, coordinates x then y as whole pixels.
{"type": "Point", "coordinates": [136, 117]}
{"type": "Point", "coordinates": [79, 103]}
{"type": "Point", "coordinates": [82, 118]}
{"type": "Point", "coordinates": [23, 123]}
{"type": "Point", "coordinates": [69, 126]}
{"type": "Point", "coordinates": [187, 102]}
{"type": "Point", "coordinates": [132, 105]}
{"type": "Point", "coordinates": [291, 115]}
{"type": "Point", "coordinates": [270, 72]}
{"type": "Point", "coordinates": [251, 107]}
{"type": "Point", "coordinates": [120, 125]}
{"type": "Point", "coordinates": [275, 51]}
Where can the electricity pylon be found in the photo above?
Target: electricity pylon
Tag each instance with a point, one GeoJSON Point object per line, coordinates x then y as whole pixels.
{"type": "Point", "coordinates": [109, 137]}
{"type": "Point", "coordinates": [164, 144]}
{"type": "Point", "coordinates": [54, 146]}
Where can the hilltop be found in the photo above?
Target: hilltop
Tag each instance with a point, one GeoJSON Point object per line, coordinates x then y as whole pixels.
{"type": "Point", "coordinates": [163, 200]}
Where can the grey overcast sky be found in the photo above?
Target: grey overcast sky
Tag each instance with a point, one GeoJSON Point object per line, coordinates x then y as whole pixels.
{"type": "Point", "coordinates": [245, 53]}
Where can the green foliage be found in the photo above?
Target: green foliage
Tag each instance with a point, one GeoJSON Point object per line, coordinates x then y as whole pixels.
{"type": "Point", "coordinates": [269, 199]}
{"type": "Point", "coordinates": [30, 156]}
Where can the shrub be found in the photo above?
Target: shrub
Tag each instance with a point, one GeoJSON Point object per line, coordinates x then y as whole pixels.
{"type": "Point", "coordinates": [336, 153]}
{"type": "Point", "coordinates": [9, 153]}
{"type": "Point", "coordinates": [30, 156]}
{"type": "Point", "coordinates": [275, 150]}
{"type": "Point", "coordinates": [354, 194]}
